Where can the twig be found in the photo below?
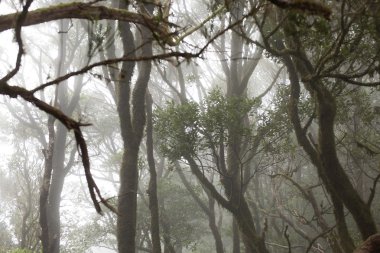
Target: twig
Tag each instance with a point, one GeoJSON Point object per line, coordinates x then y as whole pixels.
{"type": "Point", "coordinates": [287, 239]}
{"type": "Point", "coordinates": [163, 56]}
{"type": "Point", "coordinates": [318, 236]}
{"type": "Point", "coordinates": [373, 191]}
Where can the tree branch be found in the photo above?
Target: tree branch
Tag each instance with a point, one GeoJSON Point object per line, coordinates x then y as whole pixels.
{"type": "Point", "coordinates": [78, 10]}
{"type": "Point", "coordinates": [70, 124]}
{"type": "Point", "coordinates": [20, 20]}
{"type": "Point", "coordinates": [208, 185]}
{"type": "Point", "coordinates": [308, 6]}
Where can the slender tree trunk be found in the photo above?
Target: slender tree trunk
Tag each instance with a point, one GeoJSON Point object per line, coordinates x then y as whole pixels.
{"type": "Point", "coordinates": [127, 203]}
{"type": "Point", "coordinates": [58, 175]}
{"type": "Point", "coordinates": [208, 210]}
{"type": "Point", "coordinates": [45, 186]}
{"type": "Point", "coordinates": [326, 110]}
{"type": "Point", "coordinates": [55, 168]}
{"type": "Point", "coordinates": [212, 224]}
{"type": "Point", "coordinates": [131, 110]}
{"type": "Point", "coordinates": [126, 222]}
{"type": "Point", "coordinates": [325, 158]}
{"type": "Point", "coordinates": [152, 190]}
{"type": "Point", "coordinates": [235, 237]}
{"type": "Point", "coordinates": [59, 147]}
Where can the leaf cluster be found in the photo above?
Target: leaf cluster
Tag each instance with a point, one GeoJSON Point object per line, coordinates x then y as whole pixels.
{"type": "Point", "coordinates": [188, 128]}
{"type": "Point", "coordinates": [177, 127]}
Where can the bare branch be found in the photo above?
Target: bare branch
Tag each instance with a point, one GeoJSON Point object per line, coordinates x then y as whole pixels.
{"type": "Point", "coordinates": [19, 22]}
{"type": "Point", "coordinates": [114, 61]}
{"type": "Point", "coordinates": [373, 191]}
{"type": "Point", "coordinates": [70, 124]}
{"type": "Point", "coordinates": [318, 236]}
{"type": "Point", "coordinates": [351, 81]}
{"type": "Point", "coordinates": [287, 239]}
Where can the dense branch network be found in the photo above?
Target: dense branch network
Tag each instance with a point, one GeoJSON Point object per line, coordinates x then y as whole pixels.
{"type": "Point", "coordinates": [89, 11]}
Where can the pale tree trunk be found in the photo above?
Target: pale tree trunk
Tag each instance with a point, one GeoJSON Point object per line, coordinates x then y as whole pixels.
{"type": "Point", "coordinates": [236, 88]}
{"type": "Point", "coordinates": [55, 169]}
{"type": "Point", "coordinates": [58, 154]}
{"type": "Point", "coordinates": [45, 185]}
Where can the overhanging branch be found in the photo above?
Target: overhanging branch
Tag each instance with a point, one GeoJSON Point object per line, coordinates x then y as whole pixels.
{"type": "Point", "coordinates": [77, 10]}
{"type": "Point", "coordinates": [70, 124]}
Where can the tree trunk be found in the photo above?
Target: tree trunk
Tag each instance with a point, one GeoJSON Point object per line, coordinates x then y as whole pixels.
{"type": "Point", "coordinates": [152, 190]}
{"type": "Point", "coordinates": [235, 237]}
{"type": "Point", "coordinates": [59, 147]}
{"type": "Point", "coordinates": [58, 175]}
{"type": "Point", "coordinates": [371, 245]}
{"type": "Point", "coordinates": [326, 110]}
{"type": "Point", "coordinates": [131, 110]}
{"type": "Point", "coordinates": [45, 186]}
{"type": "Point", "coordinates": [325, 158]}
{"type": "Point", "coordinates": [212, 224]}
{"type": "Point", "coordinates": [208, 210]}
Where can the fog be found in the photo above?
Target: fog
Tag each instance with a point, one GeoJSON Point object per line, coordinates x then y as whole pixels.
{"type": "Point", "coordinates": [202, 126]}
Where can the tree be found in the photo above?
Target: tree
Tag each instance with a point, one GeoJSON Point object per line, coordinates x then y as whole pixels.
{"type": "Point", "coordinates": [228, 140]}
{"type": "Point", "coordinates": [318, 71]}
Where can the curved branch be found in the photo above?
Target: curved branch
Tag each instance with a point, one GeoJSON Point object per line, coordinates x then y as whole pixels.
{"type": "Point", "coordinates": [19, 21]}
{"type": "Point", "coordinates": [70, 124]}
{"type": "Point", "coordinates": [352, 81]}
{"type": "Point", "coordinates": [208, 185]}
{"type": "Point", "coordinates": [78, 10]}
{"type": "Point", "coordinates": [373, 191]}
{"type": "Point", "coordinates": [127, 58]}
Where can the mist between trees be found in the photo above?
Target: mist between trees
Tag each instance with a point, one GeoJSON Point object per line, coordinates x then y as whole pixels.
{"type": "Point", "coordinates": [190, 126]}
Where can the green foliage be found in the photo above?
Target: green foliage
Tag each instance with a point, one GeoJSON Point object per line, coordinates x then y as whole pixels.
{"type": "Point", "coordinates": [99, 230]}
{"type": "Point", "coordinates": [183, 217]}
{"type": "Point", "coordinates": [186, 129]}
{"type": "Point", "coordinates": [223, 116]}
{"type": "Point", "coordinates": [20, 251]}
{"type": "Point", "coordinates": [178, 129]}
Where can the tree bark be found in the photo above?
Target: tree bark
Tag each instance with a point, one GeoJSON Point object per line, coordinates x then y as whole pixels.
{"type": "Point", "coordinates": [235, 237]}
{"type": "Point", "coordinates": [152, 190]}
{"type": "Point", "coordinates": [58, 156]}
{"type": "Point", "coordinates": [131, 110]}
{"type": "Point", "coordinates": [371, 245]}
{"type": "Point", "coordinates": [45, 185]}
{"type": "Point", "coordinates": [78, 10]}
{"type": "Point", "coordinates": [325, 158]}
{"type": "Point", "coordinates": [345, 239]}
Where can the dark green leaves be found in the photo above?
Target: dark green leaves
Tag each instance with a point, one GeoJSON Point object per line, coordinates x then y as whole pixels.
{"type": "Point", "coordinates": [177, 127]}
{"type": "Point", "coordinates": [188, 128]}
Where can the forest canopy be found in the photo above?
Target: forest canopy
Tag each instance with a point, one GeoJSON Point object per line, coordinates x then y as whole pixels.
{"type": "Point", "coordinates": [190, 126]}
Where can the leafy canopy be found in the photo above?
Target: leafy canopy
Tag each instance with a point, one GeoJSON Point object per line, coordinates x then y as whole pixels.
{"type": "Point", "coordinates": [185, 129]}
